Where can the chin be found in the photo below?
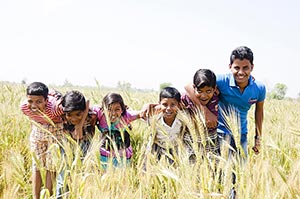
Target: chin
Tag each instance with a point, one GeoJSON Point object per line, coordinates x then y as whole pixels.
{"type": "Point", "coordinates": [113, 120]}
{"type": "Point", "coordinates": [204, 102]}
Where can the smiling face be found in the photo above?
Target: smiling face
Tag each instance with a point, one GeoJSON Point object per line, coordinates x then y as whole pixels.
{"type": "Point", "coordinates": [115, 111]}
{"type": "Point", "coordinates": [36, 103]}
{"type": "Point", "coordinates": [169, 107]}
{"type": "Point", "coordinates": [74, 117]}
{"type": "Point", "coordinates": [204, 94]}
{"type": "Point", "coordinates": [241, 70]}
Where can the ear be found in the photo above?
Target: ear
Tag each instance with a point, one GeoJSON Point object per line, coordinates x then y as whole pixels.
{"type": "Point", "coordinates": [252, 66]}
{"type": "Point", "coordinates": [215, 88]}
{"type": "Point", "coordinates": [229, 66]}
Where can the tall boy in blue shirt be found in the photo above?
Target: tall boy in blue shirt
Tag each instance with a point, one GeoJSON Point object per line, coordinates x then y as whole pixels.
{"type": "Point", "coordinates": [238, 91]}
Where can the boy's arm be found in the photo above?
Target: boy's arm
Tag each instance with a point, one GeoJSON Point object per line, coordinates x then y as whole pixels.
{"type": "Point", "coordinates": [259, 116]}
{"type": "Point", "coordinates": [211, 119]}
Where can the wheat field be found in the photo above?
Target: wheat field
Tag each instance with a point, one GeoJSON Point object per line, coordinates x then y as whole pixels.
{"type": "Point", "coordinates": [274, 173]}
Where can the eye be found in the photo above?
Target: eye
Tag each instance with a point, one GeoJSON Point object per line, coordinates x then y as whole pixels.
{"type": "Point", "coordinates": [246, 68]}
{"type": "Point", "coordinates": [173, 105]}
{"type": "Point", "coordinates": [68, 115]}
{"type": "Point", "coordinates": [164, 105]}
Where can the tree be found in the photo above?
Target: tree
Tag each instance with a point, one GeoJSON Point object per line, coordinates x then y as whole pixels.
{"type": "Point", "coordinates": [67, 83]}
{"type": "Point", "coordinates": [24, 81]}
{"type": "Point", "coordinates": [124, 85]}
{"type": "Point", "coordinates": [164, 85]}
{"type": "Point", "coordinates": [279, 91]}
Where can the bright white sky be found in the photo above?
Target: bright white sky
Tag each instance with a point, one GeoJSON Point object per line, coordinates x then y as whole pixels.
{"type": "Point", "coordinates": [146, 43]}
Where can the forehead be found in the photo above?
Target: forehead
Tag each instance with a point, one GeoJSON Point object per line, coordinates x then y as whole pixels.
{"type": "Point", "coordinates": [115, 105]}
{"type": "Point", "coordinates": [241, 63]}
{"type": "Point", "coordinates": [73, 113]}
{"type": "Point", "coordinates": [205, 88]}
{"type": "Point", "coordinates": [168, 100]}
{"type": "Point", "coordinates": [35, 97]}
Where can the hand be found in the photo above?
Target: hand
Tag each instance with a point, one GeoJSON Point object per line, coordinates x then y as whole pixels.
{"type": "Point", "coordinates": [256, 146]}
{"type": "Point", "coordinates": [211, 120]}
{"type": "Point", "coordinates": [149, 110]}
{"type": "Point", "coordinates": [78, 134]}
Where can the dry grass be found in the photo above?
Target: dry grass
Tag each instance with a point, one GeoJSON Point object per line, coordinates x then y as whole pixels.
{"type": "Point", "coordinates": [275, 173]}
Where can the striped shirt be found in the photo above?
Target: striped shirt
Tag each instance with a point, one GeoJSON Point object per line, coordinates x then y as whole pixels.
{"type": "Point", "coordinates": [51, 112]}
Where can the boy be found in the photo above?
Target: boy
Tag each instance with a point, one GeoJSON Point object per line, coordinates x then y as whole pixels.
{"type": "Point", "coordinates": [47, 128]}
{"type": "Point", "coordinates": [170, 130]}
{"type": "Point", "coordinates": [204, 86]}
{"type": "Point", "coordinates": [79, 123]}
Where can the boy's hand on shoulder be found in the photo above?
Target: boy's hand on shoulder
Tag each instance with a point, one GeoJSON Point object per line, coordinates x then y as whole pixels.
{"type": "Point", "coordinates": [149, 110]}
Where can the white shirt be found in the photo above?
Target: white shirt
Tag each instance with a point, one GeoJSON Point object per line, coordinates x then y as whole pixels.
{"type": "Point", "coordinates": [166, 134]}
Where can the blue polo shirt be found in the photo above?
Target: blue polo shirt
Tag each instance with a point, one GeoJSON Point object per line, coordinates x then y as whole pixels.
{"type": "Point", "coordinates": [231, 99]}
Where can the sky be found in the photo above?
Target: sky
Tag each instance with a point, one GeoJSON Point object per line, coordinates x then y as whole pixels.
{"type": "Point", "coordinates": [146, 43]}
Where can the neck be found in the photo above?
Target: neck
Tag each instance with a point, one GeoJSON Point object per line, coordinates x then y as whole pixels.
{"type": "Point", "coordinates": [169, 122]}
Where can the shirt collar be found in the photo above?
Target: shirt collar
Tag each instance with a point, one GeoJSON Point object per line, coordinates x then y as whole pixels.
{"type": "Point", "coordinates": [176, 122]}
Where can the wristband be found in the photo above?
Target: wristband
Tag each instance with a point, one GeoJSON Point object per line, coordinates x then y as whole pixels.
{"type": "Point", "coordinates": [257, 137]}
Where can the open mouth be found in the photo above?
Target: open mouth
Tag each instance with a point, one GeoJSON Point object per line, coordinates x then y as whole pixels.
{"type": "Point", "coordinates": [168, 113]}
{"type": "Point", "coordinates": [113, 118]}
{"type": "Point", "coordinates": [35, 110]}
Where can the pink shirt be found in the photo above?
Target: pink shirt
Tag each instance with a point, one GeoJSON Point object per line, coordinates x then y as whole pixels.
{"type": "Point", "coordinates": [128, 117]}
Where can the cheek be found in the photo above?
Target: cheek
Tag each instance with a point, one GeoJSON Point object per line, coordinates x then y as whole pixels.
{"type": "Point", "coordinates": [73, 119]}
{"type": "Point", "coordinates": [41, 106]}
{"type": "Point", "coordinates": [211, 95]}
{"type": "Point", "coordinates": [175, 109]}
{"type": "Point", "coordinates": [163, 108]}
{"type": "Point", "coordinates": [198, 95]}
{"type": "Point", "coordinates": [119, 114]}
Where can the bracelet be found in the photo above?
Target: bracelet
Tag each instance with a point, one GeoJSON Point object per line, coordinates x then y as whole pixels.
{"type": "Point", "coordinates": [257, 137]}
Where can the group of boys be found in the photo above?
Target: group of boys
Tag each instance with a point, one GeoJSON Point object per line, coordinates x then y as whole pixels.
{"type": "Point", "coordinates": [236, 91]}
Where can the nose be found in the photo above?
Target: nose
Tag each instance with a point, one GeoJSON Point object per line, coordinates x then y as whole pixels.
{"type": "Point", "coordinates": [240, 71]}
{"type": "Point", "coordinates": [202, 95]}
{"type": "Point", "coordinates": [33, 105]}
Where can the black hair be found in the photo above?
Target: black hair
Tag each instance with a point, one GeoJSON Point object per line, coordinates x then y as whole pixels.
{"type": "Point", "coordinates": [204, 77]}
{"type": "Point", "coordinates": [170, 92]}
{"type": "Point", "coordinates": [112, 98]}
{"type": "Point", "coordinates": [73, 101]}
{"type": "Point", "coordinates": [37, 88]}
{"type": "Point", "coordinates": [241, 52]}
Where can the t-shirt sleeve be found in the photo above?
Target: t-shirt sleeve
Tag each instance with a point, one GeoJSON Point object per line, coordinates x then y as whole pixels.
{"type": "Point", "coordinates": [54, 109]}
{"type": "Point", "coordinates": [24, 108]}
{"type": "Point", "coordinates": [130, 115]}
{"type": "Point", "coordinates": [101, 120]}
{"type": "Point", "coordinates": [262, 92]}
